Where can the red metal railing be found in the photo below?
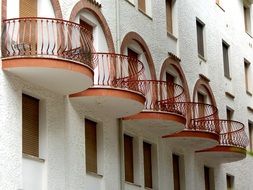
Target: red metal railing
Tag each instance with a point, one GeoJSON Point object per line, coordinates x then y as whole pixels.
{"type": "Point", "coordinates": [119, 71]}
{"type": "Point", "coordinates": [47, 37]}
{"type": "Point", "coordinates": [232, 134]}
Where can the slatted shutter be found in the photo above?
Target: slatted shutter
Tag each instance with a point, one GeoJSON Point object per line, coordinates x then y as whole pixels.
{"type": "Point", "coordinates": [30, 125]}
{"type": "Point", "coordinates": [142, 5]}
{"type": "Point", "coordinates": [201, 99]}
{"type": "Point", "coordinates": [128, 155]}
{"type": "Point", "coordinates": [169, 15]}
{"type": "Point", "coordinates": [207, 178]}
{"type": "Point", "coordinates": [170, 88]}
{"type": "Point", "coordinates": [28, 30]}
{"type": "Point", "coordinates": [147, 164]}
{"type": "Point", "coordinates": [200, 38]}
{"type": "Point", "coordinates": [91, 145]}
{"type": "Point", "coordinates": [225, 59]}
{"type": "Point", "coordinates": [88, 27]}
{"type": "Point", "coordinates": [176, 172]}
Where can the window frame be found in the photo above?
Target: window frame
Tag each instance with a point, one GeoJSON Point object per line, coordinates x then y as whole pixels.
{"type": "Point", "coordinates": [226, 56]}
{"type": "Point", "coordinates": [201, 45]}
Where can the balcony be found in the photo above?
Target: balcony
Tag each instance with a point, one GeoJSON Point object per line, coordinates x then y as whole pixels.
{"type": "Point", "coordinates": [115, 92]}
{"type": "Point", "coordinates": [159, 118]}
{"type": "Point", "coordinates": [200, 131]}
{"type": "Point", "coordinates": [52, 53]}
{"type": "Point", "coordinates": [232, 143]}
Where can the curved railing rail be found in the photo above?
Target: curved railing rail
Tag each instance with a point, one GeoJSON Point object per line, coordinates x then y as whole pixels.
{"type": "Point", "coordinates": [232, 134]}
{"type": "Point", "coordinates": [47, 37]}
{"type": "Point", "coordinates": [119, 71]}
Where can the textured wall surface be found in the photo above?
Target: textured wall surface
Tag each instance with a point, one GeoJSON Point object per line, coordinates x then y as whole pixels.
{"type": "Point", "coordinates": [64, 147]}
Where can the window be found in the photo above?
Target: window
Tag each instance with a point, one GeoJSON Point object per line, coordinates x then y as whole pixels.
{"type": "Point", "coordinates": [91, 145]}
{"type": "Point", "coordinates": [247, 75]}
{"type": "Point", "coordinates": [247, 20]}
{"type": "Point", "coordinates": [169, 17]}
{"type": "Point", "coordinates": [30, 125]}
{"type": "Point", "coordinates": [225, 48]}
{"type": "Point", "coordinates": [176, 171]}
{"type": "Point", "coordinates": [209, 178]}
{"type": "Point", "coordinates": [88, 27]}
{"type": "Point", "coordinates": [129, 161]}
{"type": "Point", "coordinates": [250, 125]}
{"type": "Point", "coordinates": [230, 113]}
{"type": "Point", "coordinates": [200, 38]}
{"type": "Point", "coordinates": [142, 5]}
{"type": "Point", "coordinates": [230, 182]}
{"type": "Point", "coordinates": [147, 164]}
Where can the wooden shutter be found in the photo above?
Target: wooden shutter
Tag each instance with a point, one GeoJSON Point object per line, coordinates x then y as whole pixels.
{"type": "Point", "coordinates": [176, 172]}
{"type": "Point", "coordinates": [132, 67]}
{"type": "Point", "coordinates": [28, 29]}
{"type": "Point", "coordinates": [88, 27]}
{"type": "Point", "coordinates": [225, 59]}
{"type": "Point", "coordinates": [250, 125]}
{"type": "Point", "coordinates": [27, 8]}
{"type": "Point", "coordinates": [91, 145]}
{"type": "Point", "coordinates": [142, 5]}
{"type": "Point", "coordinates": [170, 79]}
{"type": "Point", "coordinates": [200, 38]}
{"type": "Point", "coordinates": [30, 125]}
{"type": "Point", "coordinates": [169, 15]}
{"type": "Point", "coordinates": [230, 182]}
{"type": "Point", "coordinates": [147, 164]}
{"type": "Point", "coordinates": [201, 99]}
{"type": "Point", "coordinates": [128, 155]}
{"type": "Point", "coordinates": [207, 178]}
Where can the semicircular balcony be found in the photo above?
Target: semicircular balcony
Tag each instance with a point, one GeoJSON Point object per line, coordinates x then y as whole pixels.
{"type": "Point", "coordinates": [115, 92]}
{"type": "Point", "coordinates": [156, 117]}
{"type": "Point", "coordinates": [232, 143]}
{"type": "Point", "coordinates": [52, 53]}
{"type": "Point", "coordinates": [200, 132]}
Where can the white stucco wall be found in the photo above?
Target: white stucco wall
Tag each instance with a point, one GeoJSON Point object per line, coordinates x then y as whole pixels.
{"type": "Point", "coordinates": [63, 146]}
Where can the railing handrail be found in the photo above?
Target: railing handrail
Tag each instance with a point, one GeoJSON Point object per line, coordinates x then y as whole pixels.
{"type": "Point", "coordinates": [41, 36]}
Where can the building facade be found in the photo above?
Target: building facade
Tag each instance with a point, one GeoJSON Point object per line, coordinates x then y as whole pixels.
{"type": "Point", "coordinates": [126, 95]}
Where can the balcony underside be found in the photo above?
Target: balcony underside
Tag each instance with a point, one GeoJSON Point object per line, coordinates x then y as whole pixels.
{"type": "Point", "coordinates": [158, 123]}
{"type": "Point", "coordinates": [222, 154]}
{"type": "Point", "coordinates": [113, 102]}
{"type": "Point", "coordinates": [193, 140]}
{"type": "Point", "coordinates": [60, 76]}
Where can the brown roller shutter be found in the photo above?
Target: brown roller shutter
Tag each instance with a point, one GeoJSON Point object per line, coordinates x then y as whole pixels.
{"type": "Point", "coordinates": [128, 155]}
{"type": "Point", "coordinates": [170, 88]}
{"type": "Point", "coordinates": [169, 15]}
{"type": "Point", "coordinates": [176, 172]}
{"type": "Point", "coordinates": [27, 8]}
{"type": "Point", "coordinates": [142, 5]}
{"type": "Point", "coordinates": [201, 99]}
{"type": "Point", "coordinates": [147, 164]}
{"type": "Point", "coordinates": [28, 29]}
{"type": "Point", "coordinates": [207, 178]}
{"type": "Point", "coordinates": [91, 145]}
{"type": "Point", "coordinates": [30, 128]}
{"type": "Point", "coordinates": [88, 27]}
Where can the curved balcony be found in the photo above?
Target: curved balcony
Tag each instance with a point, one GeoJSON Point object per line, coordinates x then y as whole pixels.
{"type": "Point", "coordinates": [232, 143]}
{"type": "Point", "coordinates": [200, 131]}
{"type": "Point", "coordinates": [51, 53]}
{"type": "Point", "coordinates": [156, 117]}
{"type": "Point", "coordinates": [114, 92]}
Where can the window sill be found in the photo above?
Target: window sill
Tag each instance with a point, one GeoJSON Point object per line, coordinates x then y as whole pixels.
{"type": "Point", "coordinates": [249, 34]}
{"type": "Point", "coordinates": [220, 7]}
{"type": "Point", "coordinates": [170, 35]}
{"type": "Point", "coordinates": [133, 184]}
{"type": "Point", "coordinates": [230, 95]}
{"type": "Point", "coordinates": [148, 188]}
{"type": "Point", "coordinates": [30, 157]}
{"type": "Point", "coordinates": [249, 93]}
{"type": "Point", "coordinates": [94, 174]}
{"type": "Point", "coordinates": [145, 14]}
{"type": "Point", "coordinates": [228, 77]}
{"type": "Point", "coordinates": [131, 3]}
{"type": "Point", "coordinates": [202, 58]}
